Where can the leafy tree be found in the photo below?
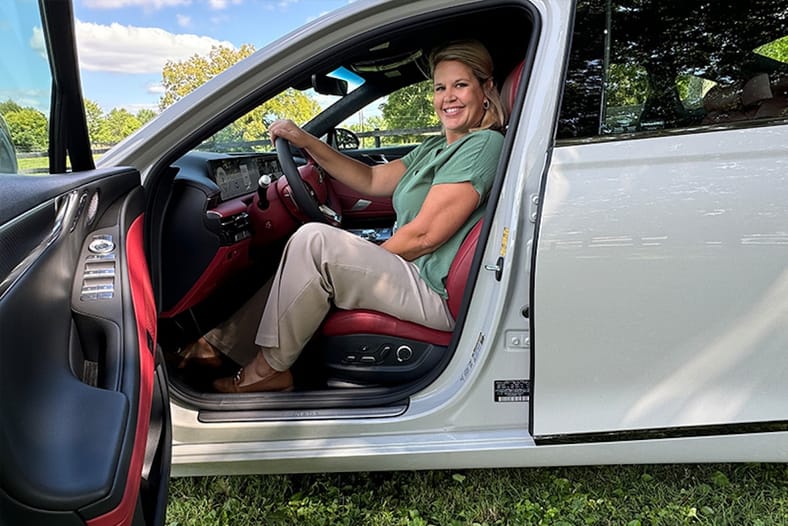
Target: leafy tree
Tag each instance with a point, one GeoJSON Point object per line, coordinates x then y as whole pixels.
{"type": "Point", "coordinates": [117, 125]}
{"type": "Point", "coordinates": [28, 128]}
{"type": "Point", "coordinates": [777, 50]}
{"type": "Point", "coordinates": [182, 77]}
{"type": "Point", "coordinates": [410, 107]}
{"type": "Point", "coordinates": [9, 106]}
{"type": "Point", "coordinates": [95, 117]}
{"type": "Point", "coordinates": [376, 122]}
{"type": "Point", "coordinates": [145, 115]}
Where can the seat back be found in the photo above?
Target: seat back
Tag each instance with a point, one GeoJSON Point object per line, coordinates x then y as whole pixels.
{"type": "Point", "coordinates": [509, 89]}
{"type": "Point", "coordinates": [461, 268]}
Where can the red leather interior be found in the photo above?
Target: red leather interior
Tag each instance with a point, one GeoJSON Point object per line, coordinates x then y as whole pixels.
{"type": "Point", "coordinates": [345, 322]}
{"type": "Point", "coordinates": [227, 261]}
{"type": "Point", "coordinates": [348, 322]}
{"type": "Point", "coordinates": [350, 200]}
{"type": "Point", "coordinates": [145, 315]}
{"type": "Point", "coordinates": [509, 88]}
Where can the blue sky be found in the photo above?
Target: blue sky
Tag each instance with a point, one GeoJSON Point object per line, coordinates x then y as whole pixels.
{"type": "Point", "coordinates": [124, 44]}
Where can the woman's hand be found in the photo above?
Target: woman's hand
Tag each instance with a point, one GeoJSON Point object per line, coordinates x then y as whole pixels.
{"type": "Point", "coordinates": [287, 129]}
{"type": "Point", "coordinates": [379, 180]}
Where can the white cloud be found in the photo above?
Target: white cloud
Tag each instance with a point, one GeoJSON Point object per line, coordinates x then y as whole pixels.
{"type": "Point", "coordinates": [222, 4]}
{"type": "Point", "coordinates": [146, 4]}
{"type": "Point", "coordinates": [155, 89]}
{"type": "Point", "coordinates": [37, 43]}
{"type": "Point", "coordinates": [130, 49]}
{"type": "Point", "coordinates": [183, 20]}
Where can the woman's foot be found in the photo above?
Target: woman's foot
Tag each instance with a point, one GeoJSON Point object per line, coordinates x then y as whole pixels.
{"type": "Point", "coordinates": [200, 353]}
{"type": "Point", "coordinates": [256, 377]}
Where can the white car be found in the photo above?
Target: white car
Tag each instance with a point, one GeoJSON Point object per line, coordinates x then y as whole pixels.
{"type": "Point", "coordinates": [625, 299]}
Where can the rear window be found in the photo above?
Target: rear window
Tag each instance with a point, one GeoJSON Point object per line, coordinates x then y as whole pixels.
{"type": "Point", "coordinates": [650, 66]}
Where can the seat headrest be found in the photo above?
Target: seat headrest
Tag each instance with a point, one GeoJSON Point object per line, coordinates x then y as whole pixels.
{"type": "Point", "coordinates": [509, 88]}
{"type": "Point", "coordinates": [756, 90]}
{"type": "Point", "coordinates": [722, 98]}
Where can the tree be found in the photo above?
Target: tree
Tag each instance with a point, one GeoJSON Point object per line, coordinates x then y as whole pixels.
{"type": "Point", "coordinates": [95, 117]}
{"type": "Point", "coordinates": [9, 106]}
{"type": "Point", "coordinates": [29, 129]}
{"type": "Point", "coordinates": [116, 126]}
{"type": "Point", "coordinates": [182, 77]}
{"type": "Point", "coordinates": [145, 115]}
{"type": "Point", "coordinates": [410, 107]}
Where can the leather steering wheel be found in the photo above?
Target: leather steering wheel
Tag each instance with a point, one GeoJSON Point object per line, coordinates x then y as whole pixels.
{"type": "Point", "coordinates": [303, 195]}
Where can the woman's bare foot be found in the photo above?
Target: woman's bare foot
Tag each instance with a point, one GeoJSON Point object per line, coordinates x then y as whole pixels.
{"type": "Point", "coordinates": [200, 353]}
{"type": "Point", "coordinates": [258, 376]}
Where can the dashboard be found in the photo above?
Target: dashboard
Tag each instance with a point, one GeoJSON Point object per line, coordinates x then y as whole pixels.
{"type": "Point", "coordinates": [238, 176]}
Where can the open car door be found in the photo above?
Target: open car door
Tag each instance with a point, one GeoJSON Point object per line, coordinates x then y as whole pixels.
{"type": "Point", "coordinates": [84, 407]}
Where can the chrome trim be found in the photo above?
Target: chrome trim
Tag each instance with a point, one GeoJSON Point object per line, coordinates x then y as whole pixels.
{"type": "Point", "coordinates": [293, 415]}
{"type": "Point", "coordinates": [65, 207]}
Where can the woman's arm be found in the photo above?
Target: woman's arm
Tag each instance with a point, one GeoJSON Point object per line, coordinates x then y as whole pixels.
{"type": "Point", "coordinates": [446, 208]}
{"type": "Point", "coordinates": [378, 180]}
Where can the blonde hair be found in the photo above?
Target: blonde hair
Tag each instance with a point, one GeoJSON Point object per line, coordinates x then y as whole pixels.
{"type": "Point", "coordinates": [473, 54]}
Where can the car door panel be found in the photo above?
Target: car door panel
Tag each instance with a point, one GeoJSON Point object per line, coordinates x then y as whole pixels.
{"type": "Point", "coordinates": [78, 351]}
{"type": "Point", "coordinates": [660, 285]}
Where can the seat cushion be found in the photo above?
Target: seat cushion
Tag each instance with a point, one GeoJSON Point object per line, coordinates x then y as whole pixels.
{"type": "Point", "coordinates": [344, 322]}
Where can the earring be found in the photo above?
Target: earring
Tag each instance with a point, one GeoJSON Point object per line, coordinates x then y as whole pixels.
{"type": "Point", "coordinates": [486, 104]}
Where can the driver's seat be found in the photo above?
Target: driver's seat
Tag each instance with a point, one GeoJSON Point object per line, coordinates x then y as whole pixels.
{"type": "Point", "coordinates": [365, 347]}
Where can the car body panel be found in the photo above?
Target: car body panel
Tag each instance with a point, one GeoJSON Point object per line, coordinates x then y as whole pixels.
{"type": "Point", "coordinates": [706, 342]}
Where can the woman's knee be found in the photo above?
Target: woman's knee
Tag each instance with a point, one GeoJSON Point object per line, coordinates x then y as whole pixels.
{"type": "Point", "coordinates": [315, 238]}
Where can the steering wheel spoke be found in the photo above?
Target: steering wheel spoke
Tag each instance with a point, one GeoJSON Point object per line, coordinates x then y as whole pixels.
{"type": "Point", "coordinates": [304, 196]}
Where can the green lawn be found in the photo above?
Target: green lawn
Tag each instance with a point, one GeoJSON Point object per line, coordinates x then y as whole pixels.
{"type": "Point", "coordinates": [721, 494]}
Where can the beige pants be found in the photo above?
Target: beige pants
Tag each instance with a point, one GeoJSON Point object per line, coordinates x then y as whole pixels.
{"type": "Point", "coordinates": [321, 267]}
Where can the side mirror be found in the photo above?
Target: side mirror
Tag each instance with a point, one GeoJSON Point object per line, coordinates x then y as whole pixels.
{"type": "Point", "coordinates": [8, 162]}
{"type": "Point", "coordinates": [325, 85]}
{"type": "Point", "coordinates": [345, 139]}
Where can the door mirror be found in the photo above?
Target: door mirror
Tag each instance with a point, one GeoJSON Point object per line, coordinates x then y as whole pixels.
{"type": "Point", "coordinates": [345, 139]}
{"type": "Point", "coordinates": [8, 164]}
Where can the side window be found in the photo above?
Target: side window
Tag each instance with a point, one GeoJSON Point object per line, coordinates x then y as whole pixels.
{"type": "Point", "coordinates": [403, 117]}
{"type": "Point", "coordinates": [673, 65]}
{"type": "Point", "coordinates": [25, 94]}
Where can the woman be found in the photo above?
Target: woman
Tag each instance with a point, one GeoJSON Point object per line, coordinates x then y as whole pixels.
{"type": "Point", "coordinates": [437, 191]}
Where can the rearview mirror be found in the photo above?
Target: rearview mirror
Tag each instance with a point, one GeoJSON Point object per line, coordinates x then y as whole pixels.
{"type": "Point", "coordinates": [325, 85]}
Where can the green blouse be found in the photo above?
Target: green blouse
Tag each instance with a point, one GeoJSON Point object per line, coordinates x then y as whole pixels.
{"type": "Point", "coordinates": [473, 158]}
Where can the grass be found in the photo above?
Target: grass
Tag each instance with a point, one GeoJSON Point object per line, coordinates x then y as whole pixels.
{"type": "Point", "coordinates": [713, 494]}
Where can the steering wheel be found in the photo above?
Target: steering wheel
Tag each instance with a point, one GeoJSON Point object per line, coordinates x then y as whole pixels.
{"type": "Point", "coordinates": [303, 195]}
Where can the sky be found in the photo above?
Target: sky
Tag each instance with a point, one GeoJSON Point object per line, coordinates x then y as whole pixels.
{"type": "Point", "coordinates": [124, 44]}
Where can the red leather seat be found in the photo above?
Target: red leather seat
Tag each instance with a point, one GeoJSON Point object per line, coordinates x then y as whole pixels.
{"type": "Point", "coordinates": [370, 347]}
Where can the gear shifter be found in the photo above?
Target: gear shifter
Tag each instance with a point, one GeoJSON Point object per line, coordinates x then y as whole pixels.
{"type": "Point", "coordinates": [262, 190]}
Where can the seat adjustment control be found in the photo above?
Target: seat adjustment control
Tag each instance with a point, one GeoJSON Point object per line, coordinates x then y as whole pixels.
{"type": "Point", "coordinates": [404, 353]}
